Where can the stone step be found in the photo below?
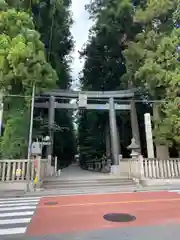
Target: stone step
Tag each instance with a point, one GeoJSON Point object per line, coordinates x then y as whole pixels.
{"type": "Point", "coordinates": [89, 181]}
{"type": "Point", "coordinates": [85, 191]}
{"type": "Point", "coordinates": [86, 184]}
{"type": "Point", "coordinates": [91, 189]}
{"type": "Point", "coordinates": [83, 186]}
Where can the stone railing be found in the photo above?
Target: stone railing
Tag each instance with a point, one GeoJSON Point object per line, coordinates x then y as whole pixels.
{"type": "Point", "coordinates": [147, 168]}
{"type": "Point", "coordinates": [22, 169]}
{"type": "Point", "coordinates": [20, 173]}
{"type": "Point", "coordinates": [129, 167]}
{"type": "Point", "coordinates": [159, 169]}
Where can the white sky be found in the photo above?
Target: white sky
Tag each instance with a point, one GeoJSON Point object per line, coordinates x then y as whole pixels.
{"type": "Point", "coordinates": [80, 34]}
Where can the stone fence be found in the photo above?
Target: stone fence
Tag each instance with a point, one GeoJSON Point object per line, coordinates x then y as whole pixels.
{"type": "Point", "coordinates": [20, 172]}
{"type": "Point", "coordinates": [16, 174]}
{"type": "Point", "coordinates": [145, 169]}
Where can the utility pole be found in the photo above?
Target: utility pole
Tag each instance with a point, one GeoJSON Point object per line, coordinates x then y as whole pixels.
{"type": "Point", "coordinates": [30, 136]}
{"type": "Point", "coordinates": [31, 122]}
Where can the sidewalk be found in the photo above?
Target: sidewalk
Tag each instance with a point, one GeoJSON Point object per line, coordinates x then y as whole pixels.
{"type": "Point", "coordinates": [58, 192]}
{"type": "Point", "coordinates": [11, 193]}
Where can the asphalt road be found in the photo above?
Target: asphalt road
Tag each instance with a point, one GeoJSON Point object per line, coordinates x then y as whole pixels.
{"type": "Point", "coordinates": [81, 217]}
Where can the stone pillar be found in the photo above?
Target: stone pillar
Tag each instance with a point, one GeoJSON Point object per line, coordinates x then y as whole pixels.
{"type": "Point", "coordinates": [149, 138]}
{"type": "Point", "coordinates": [134, 124]}
{"type": "Point", "coordinates": [119, 140]}
{"type": "Point", "coordinates": [51, 117]}
{"type": "Point", "coordinates": [162, 151]}
{"type": "Point", "coordinates": [108, 143]}
{"type": "Point", "coordinates": [113, 132]}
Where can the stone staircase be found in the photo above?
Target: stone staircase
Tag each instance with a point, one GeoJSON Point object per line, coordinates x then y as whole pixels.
{"type": "Point", "coordinates": [85, 186]}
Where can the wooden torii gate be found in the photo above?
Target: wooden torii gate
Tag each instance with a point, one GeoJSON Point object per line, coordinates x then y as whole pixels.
{"type": "Point", "coordinates": [111, 106]}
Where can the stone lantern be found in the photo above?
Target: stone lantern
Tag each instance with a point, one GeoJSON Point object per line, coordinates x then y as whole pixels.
{"type": "Point", "coordinates": [135, 148]}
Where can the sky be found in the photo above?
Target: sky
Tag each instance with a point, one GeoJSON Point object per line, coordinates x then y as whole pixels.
{"type": "Point", "coordinates": [80, 34]}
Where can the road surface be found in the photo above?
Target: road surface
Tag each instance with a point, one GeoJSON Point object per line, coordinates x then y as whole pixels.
{"type": "Point", "coordinates": [81, 217]}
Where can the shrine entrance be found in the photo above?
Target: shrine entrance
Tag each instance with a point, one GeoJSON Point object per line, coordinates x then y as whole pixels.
{"type": "Point", "coordinates": [82, 101]}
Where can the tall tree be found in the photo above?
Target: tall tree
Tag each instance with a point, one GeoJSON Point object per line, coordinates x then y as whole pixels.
{"type": "Point", "coordinates": [104, 61]}
{"type": "Point", "coordinates": [152, 62]}
{"type": "Point", "coordinates": [53, 20]}
{"type": "Point", "coordinates": [22, 64]}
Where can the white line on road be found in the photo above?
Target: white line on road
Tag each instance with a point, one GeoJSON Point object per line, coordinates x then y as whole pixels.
{"type": "Point", "coordinates": [19, 201]}
{"type": "Point", "coordinates": [178, 191]}
{"type": "Point", "coordinates": [12, 214]}
{"type": "Point", "coordinates": [14, 221]}
{"type": "Point", "coordinates": [18, 204]}
{"type": "Point", "coordinates": [21, 198]}
{"type": "Point", "coordinates": [10, 231]}
{"type": "Point", "coordinates": [16, 208]}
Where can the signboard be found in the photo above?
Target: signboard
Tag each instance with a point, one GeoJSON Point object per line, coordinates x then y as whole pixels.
{"type": "Point", "coordinates": [82, 102]}
{"type": "Point", "coordinates": [46, 143]}
{"type": "Point", "coordinates": [36, 148]}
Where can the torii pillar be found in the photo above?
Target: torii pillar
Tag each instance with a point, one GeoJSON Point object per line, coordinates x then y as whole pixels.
{"type": "Point", "coordinates": [134, 123]}
{"type": "Point", "coordinates": [113, 132]}
{"type": "Point", "coordinates": [51, 116]}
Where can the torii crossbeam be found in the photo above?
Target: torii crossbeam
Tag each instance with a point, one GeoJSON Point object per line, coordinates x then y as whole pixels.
{"type": "Point", "coordinates": [111, 106]}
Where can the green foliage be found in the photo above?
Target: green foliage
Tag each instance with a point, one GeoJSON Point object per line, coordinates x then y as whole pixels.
{"type": "Point", "coordinates": [22, 64]}
{"type": "Point", "coordinates": [104, 66]}
{"type": "Point", "coordinates": [22, 58]}
{"type": "Point", "coordinates": [14, 141]}
{"type": "Point", "coordinates": [152, 62]}
{"type": "Point", "coordinates": [53, 20]}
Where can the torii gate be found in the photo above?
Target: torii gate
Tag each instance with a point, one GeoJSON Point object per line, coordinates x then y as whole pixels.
{"type": "Point", "coordinates": [111, 106]}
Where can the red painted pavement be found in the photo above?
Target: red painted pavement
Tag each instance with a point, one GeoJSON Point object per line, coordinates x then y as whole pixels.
{"type": "Point", "coordinates": [85, 212]}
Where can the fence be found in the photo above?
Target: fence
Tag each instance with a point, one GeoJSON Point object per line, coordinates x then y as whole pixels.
{"type": "Point", "coordinates": [129, 167]}
{"type": "Point", "coordinates": [150, 168]}
{"type": "Point", "coordinates": [22, 170]}
{"type": "Point", "coordinates": [158, 169]}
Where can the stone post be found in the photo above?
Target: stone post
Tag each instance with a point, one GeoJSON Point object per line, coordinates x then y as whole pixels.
{"type": "Point", "coordinates": [141, 167]}
{"type": "Point", "coordinates": [108, 143]}
{"type": "Point", "coordinates": [113, 133]}
{"type": "Point", "coordinates": [149, 139]}
{"type": "Point", "coordinates": [134, 123]}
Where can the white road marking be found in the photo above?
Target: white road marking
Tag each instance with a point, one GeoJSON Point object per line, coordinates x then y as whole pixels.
{"type": "Point", "coordinates": [18, 204]}
{"type": "Point", "coordinates": [176, 191]}
{"type": "Point", "coordinates": [14, 214]}
{"type": "Point", "coordinates": [2, 209]}
{"type": "Point", "coordinates": [10, 231]}
{"type": "Point", "coordinates": [19, 201]}
{"type": "Point", "coordinates": [14, 221]}
{"type": "Point", "coordinates": [20, 198]}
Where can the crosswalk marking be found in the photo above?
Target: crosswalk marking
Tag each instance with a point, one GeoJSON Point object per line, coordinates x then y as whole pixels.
{"type": "Point", "coordinates": [17, 208]}
{"type": "Point", "coordinates": [12, 231]}
{"type": "Point", "coordinates": [20, 201]}
{"type": "Point", "coordinates": [18, 204]}
{"type": "Point", "coordinates": [16, 214]}
{"type": "Point", "coordinates": [21, 198]}
{"type": "Point", "coordinates": [176, 191]}
{"type": "Point", "coordinates": [15, 221]}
